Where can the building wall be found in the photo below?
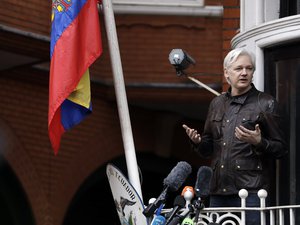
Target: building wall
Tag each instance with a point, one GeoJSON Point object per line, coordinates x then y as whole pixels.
{"type": "Point", "coordinates": [51, 182]}
{"type": "Point", "coordinates": [31, 16]}
{"type": "Point", "coordinates": [231, 25]}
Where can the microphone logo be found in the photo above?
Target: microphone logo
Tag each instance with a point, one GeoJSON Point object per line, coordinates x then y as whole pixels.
{"type": "Point", "coordinates": [187, 221]}
{"type": "Point", "coordinates": [128, 203]}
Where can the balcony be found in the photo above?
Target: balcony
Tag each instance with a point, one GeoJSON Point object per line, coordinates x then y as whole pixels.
{"type": "Point", "coordinates": [274, 215]}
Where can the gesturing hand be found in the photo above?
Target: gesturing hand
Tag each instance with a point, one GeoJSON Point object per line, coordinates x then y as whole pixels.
{"type": "Point", "coordinates": [250, 136]}
{"type": "Point", "coordinates": [193, 134]}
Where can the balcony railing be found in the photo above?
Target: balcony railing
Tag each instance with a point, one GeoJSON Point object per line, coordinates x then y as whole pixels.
{"type": "Point", "coordinates": [276, 215]}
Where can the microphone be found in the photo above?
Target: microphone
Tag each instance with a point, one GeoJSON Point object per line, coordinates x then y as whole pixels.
{"type": "Point", "coordinates": [188, 194]}
{"type": "Point", "coordinates": [159, 219]}
{"type": "Point", "coordinates": [202, 187]}
{"type": "Point", "coordinates": [151, 200]}
{"type": "Point", "coordinates": [172, 182]}
{"type": "Point", "coordinates": [184, 214]}
{"type": "Point", "coordinates": [179, 203]}
{"type": "Point", "coordinates": [188, 221]}
{"type": "Point", "coordinates": [178, 175]}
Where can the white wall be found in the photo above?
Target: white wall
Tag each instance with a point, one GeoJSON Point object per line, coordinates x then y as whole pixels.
{"type": "Point", "coordinates": [256, 12]}
{"type": "Point", "coordinates": [262, 28]}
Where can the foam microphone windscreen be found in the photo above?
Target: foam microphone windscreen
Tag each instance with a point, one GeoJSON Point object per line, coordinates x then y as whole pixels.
{"type": "Point", "coordinates": [178, 175]}
{"type": "Point", "coordinates": [202, 185]}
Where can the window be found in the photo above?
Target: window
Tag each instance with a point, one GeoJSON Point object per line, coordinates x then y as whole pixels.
{"type": "Point", "coordinates": [289, 7]}
{"type": "Point", "coordinates": [160, 2]}
{"type": "Point", "coordinates": [167, 7]}
{"type": "Point", "coordinates": [282, 68]}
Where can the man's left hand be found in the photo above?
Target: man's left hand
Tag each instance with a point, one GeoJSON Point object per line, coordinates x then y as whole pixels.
{"type": "Point", "coordinates": [250, 136]}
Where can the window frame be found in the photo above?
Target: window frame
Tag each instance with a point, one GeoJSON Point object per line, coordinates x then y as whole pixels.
{"type": "Point", "coordinates": [178, 3]}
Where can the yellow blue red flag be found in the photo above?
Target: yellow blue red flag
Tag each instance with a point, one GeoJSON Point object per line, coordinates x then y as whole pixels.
{"type": "Point", "coordinates": [75, 45]}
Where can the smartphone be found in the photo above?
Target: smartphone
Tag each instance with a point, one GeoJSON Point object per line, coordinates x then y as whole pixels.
{"type": "Point", "coordinates": [249, 124]}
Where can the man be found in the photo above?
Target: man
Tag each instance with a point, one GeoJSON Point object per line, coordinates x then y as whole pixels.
{"type": "Point", "coordinates": [242, 135]}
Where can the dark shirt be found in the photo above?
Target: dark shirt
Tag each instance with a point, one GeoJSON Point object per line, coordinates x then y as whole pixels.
{"type": "Point", "coordinates": [237, 164]}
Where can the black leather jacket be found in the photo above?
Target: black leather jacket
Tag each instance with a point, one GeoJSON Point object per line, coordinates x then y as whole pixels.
{"type": "Point", "coordinates": [237, 164]}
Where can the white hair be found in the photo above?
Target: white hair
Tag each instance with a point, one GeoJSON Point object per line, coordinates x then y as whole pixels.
{"type": "Point", "coordinates": [232, 56]}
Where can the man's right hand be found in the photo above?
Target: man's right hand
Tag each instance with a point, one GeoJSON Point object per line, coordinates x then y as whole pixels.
{"type": "Point", "coordinates": [193, 134]}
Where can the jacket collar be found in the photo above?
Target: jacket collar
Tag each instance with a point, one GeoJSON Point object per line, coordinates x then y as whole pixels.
{"type": "Point", "coordinates": [240, 99]}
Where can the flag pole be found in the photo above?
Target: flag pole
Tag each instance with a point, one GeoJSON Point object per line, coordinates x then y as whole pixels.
{"type": "Point", "coordinates": [119, 84]}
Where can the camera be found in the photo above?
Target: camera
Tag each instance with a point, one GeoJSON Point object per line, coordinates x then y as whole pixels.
{"type": "Point", "coordinates": [180, 60]}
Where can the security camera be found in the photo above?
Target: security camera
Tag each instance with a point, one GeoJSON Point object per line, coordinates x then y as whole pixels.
{"type": "Point", "coordinates": [180, 60]}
